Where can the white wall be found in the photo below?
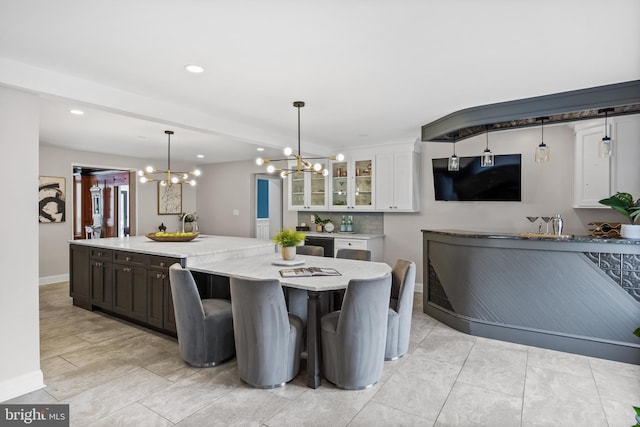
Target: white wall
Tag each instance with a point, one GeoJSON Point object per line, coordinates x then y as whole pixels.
{"type": "Point", "coordinates": [546, 189]}
{"type": "Point", "coordinates": [54, 247]}
{"type": "Point", "coordinates": [19, 328]}
{"type": "Point", "coordinates": [228, 188]}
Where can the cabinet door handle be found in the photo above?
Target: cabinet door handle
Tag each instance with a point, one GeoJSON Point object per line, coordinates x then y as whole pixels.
{"type": "Point", "coordinates": [98, 264]}
{"type": "Point", "coordinates": [159, 276]}
{"type": "Point", "coordinates": [162, 264]}
{"type": "Point", "coordinates": [98, 253]}
{"type": "Point", "coordinates": [126, 269]}
{"type": "Point", "coordinates": [127, 258]}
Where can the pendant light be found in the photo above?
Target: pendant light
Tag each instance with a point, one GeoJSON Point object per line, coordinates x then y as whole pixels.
{"type": "Point", "coordinates": [302, 164]}
{"type": "Point", "coordinates": [487, 156]}
{"type": "Point", "coordinates": [168, 177]}
{"type": "Point", "coordinates": [542, 151]}
{"type": "Point", "coordinates": [454, 161]}
{"type": "Point", "coordinates": [605, 148]}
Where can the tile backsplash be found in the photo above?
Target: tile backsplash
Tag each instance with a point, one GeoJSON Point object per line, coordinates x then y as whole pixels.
{"type": "Point", "coordinates": [363, 222]}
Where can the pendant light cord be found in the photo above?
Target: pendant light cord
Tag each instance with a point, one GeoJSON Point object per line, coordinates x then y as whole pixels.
{"type": "Point", "coordinates": [299, 131]}
{"type": "Point", "coordinates": [169, 152]}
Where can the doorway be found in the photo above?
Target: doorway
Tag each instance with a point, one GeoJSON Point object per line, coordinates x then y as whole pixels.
{"type": "Point", "coordinates": [101, 202]}
{"type": "Point", "coordinates": [268, 206]}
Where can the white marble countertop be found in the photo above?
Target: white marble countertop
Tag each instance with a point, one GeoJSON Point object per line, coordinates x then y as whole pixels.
{"type": "Point", "coordinates": [261, 267]}
{"type": "Point", "coordinates": [338, 235]}
{"type": "Point", "coordinates": [202, 249]}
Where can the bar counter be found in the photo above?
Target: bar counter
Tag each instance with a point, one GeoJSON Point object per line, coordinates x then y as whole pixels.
{"type": "Point", "coordinates": [576, 294]}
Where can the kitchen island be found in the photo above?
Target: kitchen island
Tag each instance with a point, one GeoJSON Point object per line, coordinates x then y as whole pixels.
{"type": "Point", "coordinates": [578, 294]}
{"type": "Point", "coordinates": [128, 276]}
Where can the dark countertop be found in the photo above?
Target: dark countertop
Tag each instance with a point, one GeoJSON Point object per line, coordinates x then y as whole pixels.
{"type": "Point", "coordinates": [565, 238]}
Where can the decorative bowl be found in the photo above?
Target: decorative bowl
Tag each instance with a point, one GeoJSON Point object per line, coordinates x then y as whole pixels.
{"type": "Point", "coordinates": [186, 238]}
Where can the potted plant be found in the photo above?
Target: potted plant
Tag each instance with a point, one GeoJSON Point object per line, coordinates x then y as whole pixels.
{"type": "Point", "coordinates": [288, 239]}
{"type": "Point", "coordinates": [624, 203]}
{"type": "Point", "coordinates": [320, 223]}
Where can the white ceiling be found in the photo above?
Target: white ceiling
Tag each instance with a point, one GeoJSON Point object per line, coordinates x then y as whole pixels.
{"type": "Point", "coordinates": [371, 72]}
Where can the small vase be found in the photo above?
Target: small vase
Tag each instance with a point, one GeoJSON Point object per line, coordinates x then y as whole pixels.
{"type": "Point", "coordinates": [630, 231]}
{"type": "Point", "coordinates": [288, 253]}
{"type": "Point", "coordinates": [188, 227]}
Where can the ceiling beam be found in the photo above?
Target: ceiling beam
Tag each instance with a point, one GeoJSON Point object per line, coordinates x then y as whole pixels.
{"type": "Point", "coordinates": [574, 105]}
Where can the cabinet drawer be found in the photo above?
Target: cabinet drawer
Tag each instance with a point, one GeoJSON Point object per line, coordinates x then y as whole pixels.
{"type": "Point", "coordinates": [102, 254]}
{"type": "Point", "coordinates": [350, 244]}
{"type": "Point", "coordinates": [131, 258]}
{"type": "Point", "coordinates": [156, 261]}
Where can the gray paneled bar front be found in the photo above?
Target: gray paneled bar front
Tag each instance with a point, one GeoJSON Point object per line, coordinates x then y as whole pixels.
{"type": "Point", "coordinates": [579, 295]}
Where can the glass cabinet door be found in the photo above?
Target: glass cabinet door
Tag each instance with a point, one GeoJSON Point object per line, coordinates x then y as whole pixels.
{"type": "Point", "coordinates": [296, 198]}
{"type": "Point", "coordinates": [318, 190]}
{"type": "Point", "coordinates": [339, 184]}
{"type": "Point", "coordinates": [363, 190]}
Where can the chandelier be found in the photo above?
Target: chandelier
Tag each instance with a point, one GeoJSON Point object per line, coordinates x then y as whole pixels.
{"type": "Point", "coordinates": [302, 164]}
{"type": "Point", "coordinates": [167, 177]}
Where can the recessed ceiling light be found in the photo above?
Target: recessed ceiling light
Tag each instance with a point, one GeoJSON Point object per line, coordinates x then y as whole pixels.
{"type": "Point", "coordinates": [200, 156]}
{"type": "Point", "coordinates": [260, 149]}
{"type": "Point", "coordinates": [193, 68]}
{"type": "Point", "coordinates": [76, 112]}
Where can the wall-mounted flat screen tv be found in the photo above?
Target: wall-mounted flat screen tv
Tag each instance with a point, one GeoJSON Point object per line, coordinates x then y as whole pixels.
{"type": "Point", "coordinates": [473, 183]}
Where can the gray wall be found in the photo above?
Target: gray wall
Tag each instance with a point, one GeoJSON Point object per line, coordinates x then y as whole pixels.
{"type": "Point", "coordinates": [19, 328]}
{"type": "Point", "coordinates": [546, 189]}
{"type": "Point", "coordinates": [54, 249]}
{"type": "Point", "coordinates": [227, 187]}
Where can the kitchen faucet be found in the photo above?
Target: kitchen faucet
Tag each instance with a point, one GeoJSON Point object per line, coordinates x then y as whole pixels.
{"type": "Point", "coordinates": [185, 217]}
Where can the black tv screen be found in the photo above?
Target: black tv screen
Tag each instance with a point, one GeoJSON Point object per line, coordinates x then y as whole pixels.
{"type": "Point", "coordinates": [498, 183]}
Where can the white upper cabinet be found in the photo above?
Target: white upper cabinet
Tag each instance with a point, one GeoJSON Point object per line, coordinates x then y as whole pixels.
{"type": "Point", "coordinates": [597, 178]}
{"type": "Point", "coordinates": [307, 191]}
{"type": "Point", "coordinates": [385, 178]}
{"type": "Point", "coordinates": [592, 174]}
{"type": "Point", "coordinates": [397, 182]}
{"type": "Point", "coordinates": [352, 185]}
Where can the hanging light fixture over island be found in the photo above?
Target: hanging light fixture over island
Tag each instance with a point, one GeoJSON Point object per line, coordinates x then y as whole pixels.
{"type": "Point", "coordinates": [302, 164]}
{"type": "Point", "coordinates": [168, 177]}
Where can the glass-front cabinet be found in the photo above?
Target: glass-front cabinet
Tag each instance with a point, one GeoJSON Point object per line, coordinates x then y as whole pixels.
{"type": "Point", "coordinates": [307, 190]}
{"type": "Point", "coordinates": [352, 184]}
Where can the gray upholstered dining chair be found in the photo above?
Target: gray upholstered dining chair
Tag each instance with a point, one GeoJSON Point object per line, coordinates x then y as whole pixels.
{"type": "Point", "coordinates": [268, 339]}
{"type": "Point", "coordinates": [357, 254]}
{"type": "Point", "coordinates": [310, 250]}
{"type": "Point", "coordinates": [205, 328]}
{"type": "Point", "coordinates": [354, 338]}
{"type": "Point", "coordinates": [403, 282]}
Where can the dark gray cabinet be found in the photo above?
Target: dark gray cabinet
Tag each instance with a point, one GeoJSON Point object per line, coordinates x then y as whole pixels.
{"type": "Point", "coordinates": [101, 282]}
{"type": "Point", "coordinates": [79, 279]}
{"type": "Point", "coordinates": [130, 291]}
{"type": "Point", "coordinates": [130, 285]}
{"type": "Point", "coordinates": [156, 281]}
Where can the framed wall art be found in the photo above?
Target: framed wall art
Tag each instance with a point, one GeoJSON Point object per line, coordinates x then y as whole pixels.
{"type": "Point", "coordinates": [169, 199]}
{"type": "Point", "coordinates": [51, 199]}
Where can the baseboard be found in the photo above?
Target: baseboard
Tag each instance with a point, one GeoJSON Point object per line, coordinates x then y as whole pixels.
{"type": "Point", "coordinates": [22, 384]}
{"type": "Point", "coordinates": [54, 279]}
{"type": "Point", "coordinates": [418, 287]}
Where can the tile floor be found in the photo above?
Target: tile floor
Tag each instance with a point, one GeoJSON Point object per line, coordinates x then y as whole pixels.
{"type": "Point", "coordinates": [116, 374]}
